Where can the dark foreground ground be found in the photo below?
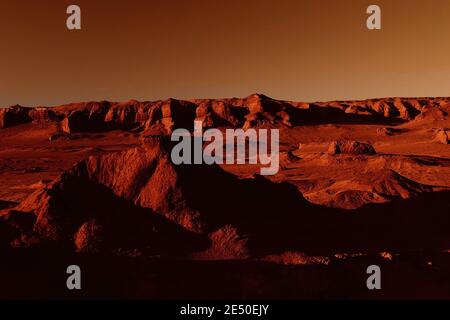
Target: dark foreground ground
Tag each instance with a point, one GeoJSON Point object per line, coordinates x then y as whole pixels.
{"type": "Point", "coordinates": [38, 275]}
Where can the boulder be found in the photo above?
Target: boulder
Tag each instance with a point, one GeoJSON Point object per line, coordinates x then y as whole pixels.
{"type": "Point", "coordinates": [385, 131]}
{"type": "Point", "coordinates": [350, 147]}
{"type": "Point", "coordinates": [442, 136]}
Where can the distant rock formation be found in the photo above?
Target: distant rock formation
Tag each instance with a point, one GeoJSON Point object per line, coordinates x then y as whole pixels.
{"type": "Point", "coordinates": [13, 116]}
{"type": "Point", "coordinates": [256, 110]}
{"type": "Point", "coordinates": [43, 115]}
{"type": "Point", "coordinates": [350, 147]}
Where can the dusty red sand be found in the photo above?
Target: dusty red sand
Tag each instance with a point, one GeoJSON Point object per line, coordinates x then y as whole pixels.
{"type": "Point", "coordinates": [361, 182]}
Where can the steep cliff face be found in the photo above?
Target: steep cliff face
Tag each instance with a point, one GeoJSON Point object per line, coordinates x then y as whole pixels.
{"type": "Point", "coordinates": [42, 115]}
{"type": "Point", "coordinates": [13, 116]}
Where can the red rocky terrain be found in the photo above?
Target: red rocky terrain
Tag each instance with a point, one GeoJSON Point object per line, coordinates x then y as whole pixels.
{"type": "Point", "coordinates": [360, 183]}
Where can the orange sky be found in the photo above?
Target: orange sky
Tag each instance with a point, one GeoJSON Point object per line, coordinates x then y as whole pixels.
{"type": "Point", "coordinates": [289, 49]}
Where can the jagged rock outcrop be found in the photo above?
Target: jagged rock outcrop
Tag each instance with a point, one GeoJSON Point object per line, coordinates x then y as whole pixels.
{"type": "Point", "coordinates": [90, 237]}
{"type": "Point", "coordinates": [442, 136]}
{"type": "Point", "coordinates": [226, 244]}
{"type": "Point", "coordinates": [169, 115]}
{"type": "Point", "coordinates": [80, 213]}
{"type": "Point", "coordinates": [256, 110]}
{"type": "Point", "coordinates": [287, 158]}
{"type": "Point", "coordinates": [380, 186]}
{"type": "Point", "coordinates": [264, 111]}
{"type": "Point", "coordinates": [408, 109]}
{"type": "Point", "coordinates": [385, 131]}
{"type": "Point", "coordinates": [89, 117]}
{"type": "Point", "coordinates": [390, 184]}
{"type": "Point", "coordinates": [402, 108]}
{"type": "Point", "coordinates": [13, 116]}
{"type": "Point", "coordinates": [74, 122]}
{"type": "Point", "coordinates": [217, 114]}
{"type": "Point", "coordinates": [111, 201]}
{"type": "Point", "coordinates": [178, 114]}
{"type": "Point", "coordinates": [433, 113]}
{"type": "Point", "coordinates": [43, 115]}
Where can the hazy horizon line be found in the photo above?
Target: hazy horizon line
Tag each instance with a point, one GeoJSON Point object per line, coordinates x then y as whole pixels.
{"type": "Point", "coordinates": [222, 98]}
